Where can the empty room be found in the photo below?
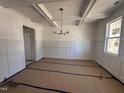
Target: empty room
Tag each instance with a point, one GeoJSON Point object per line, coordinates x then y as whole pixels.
{"type": "Point", "coordinates": [61, 46]}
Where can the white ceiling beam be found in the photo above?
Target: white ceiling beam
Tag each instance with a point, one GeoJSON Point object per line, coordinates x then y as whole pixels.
{"type": "Point", "coordinates": [68, 19]}
{"type": "Point", "coordinates": [38, 19]}
{"type": "Point", "coordinates": [71, 18]}
{"type": "Point", "coordinates": [86, 9]}
{"type": "Point", "coordinates": [99, 16]}
{"type": "Point", "coordinates": [45, 13]}
{"type": "Point", "coordinates": [96, 18]}
{"type": "Point", "coordinates": [35, 3]}
{"type": "Point", "coordinates": [44, 9]}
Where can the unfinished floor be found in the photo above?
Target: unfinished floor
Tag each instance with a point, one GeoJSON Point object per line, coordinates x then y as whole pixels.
{"type": "Point", "coordinates": [63, 76]}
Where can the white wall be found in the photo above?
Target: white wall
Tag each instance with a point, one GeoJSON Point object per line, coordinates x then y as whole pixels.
{"type": "Point", "coordinates": [114, 64]}
{"type": "Point", "coordinates": [78, 44]}
{"type": "Point", "coordinates": [12, 57]}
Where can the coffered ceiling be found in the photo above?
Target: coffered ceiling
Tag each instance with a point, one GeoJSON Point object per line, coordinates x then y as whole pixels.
{"type": "Point", "coordinates": [75, 11]}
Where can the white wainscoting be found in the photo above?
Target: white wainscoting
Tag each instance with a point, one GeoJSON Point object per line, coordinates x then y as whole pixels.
{"type": "Point", "coordinates": [39, 50]}
{"type": "Point", "coordinates": [12, 58]}
{"type": "Point", "coordinates": [69, 49]}
{"type": "Point", "coordinates": [3, 59]}
{"type": "Point", "coordinates": [114, 64]}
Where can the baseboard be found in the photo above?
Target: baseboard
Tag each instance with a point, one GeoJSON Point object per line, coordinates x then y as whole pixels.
{"type": "Point", "coordinates": [39, 59]}
{"type": "Point", "coordinates": [42, 58]}
{"type": "Point", "coordinates": [68, 59]}
{"type": "Point", "coordinates": [121, 78]}
{"type": "Point", "coordinates": [115, 77]}
{"type": "Point", "coordinates": [9, 78]}
{"type": "Point", "coordinates": [5, 80]}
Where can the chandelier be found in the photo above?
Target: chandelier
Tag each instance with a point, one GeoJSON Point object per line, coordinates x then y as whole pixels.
{"type": "Point", "coordinates": [61, 26]}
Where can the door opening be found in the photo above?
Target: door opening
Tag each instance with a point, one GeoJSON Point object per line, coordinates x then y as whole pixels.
{"type": "Point", "coordinates": [29, 44]}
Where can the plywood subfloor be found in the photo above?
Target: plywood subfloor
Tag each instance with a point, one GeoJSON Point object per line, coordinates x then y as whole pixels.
{"type": "Point", "coordinates": [66, 82]}
{"type": "Point", "coordinates": [96, 71]}
{"type": "Point", "coordinates": [67, 61]}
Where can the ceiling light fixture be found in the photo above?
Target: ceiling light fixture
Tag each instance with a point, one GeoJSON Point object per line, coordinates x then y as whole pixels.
{"type": "Point", "coordinates": [61, 26]}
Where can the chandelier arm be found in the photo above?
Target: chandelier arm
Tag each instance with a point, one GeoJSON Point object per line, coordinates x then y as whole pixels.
{"type": "Point", "coordinates": [61, 20]}
{"type": "Point", "coordinates": [61, 25]}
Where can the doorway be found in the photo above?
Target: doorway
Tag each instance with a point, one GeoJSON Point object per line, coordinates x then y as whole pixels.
{"type": "Point", "coordinates": [29, 44]}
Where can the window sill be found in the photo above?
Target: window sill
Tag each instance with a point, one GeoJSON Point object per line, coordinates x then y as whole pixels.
{"type": "Point", "coordinates": [111, 54]}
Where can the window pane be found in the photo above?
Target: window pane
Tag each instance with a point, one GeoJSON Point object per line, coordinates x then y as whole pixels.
{"type": "Point", "coordinates": [113, 45]}
{"type": "Point", "coordinates": [115, 28]}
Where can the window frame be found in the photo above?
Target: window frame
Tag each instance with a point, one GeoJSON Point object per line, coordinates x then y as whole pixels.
{"type": "Point", "coordinates": [107, 36]}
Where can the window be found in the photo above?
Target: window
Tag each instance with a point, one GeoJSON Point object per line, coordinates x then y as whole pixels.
{"type": "Point", "coordinates": [113, 34]}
